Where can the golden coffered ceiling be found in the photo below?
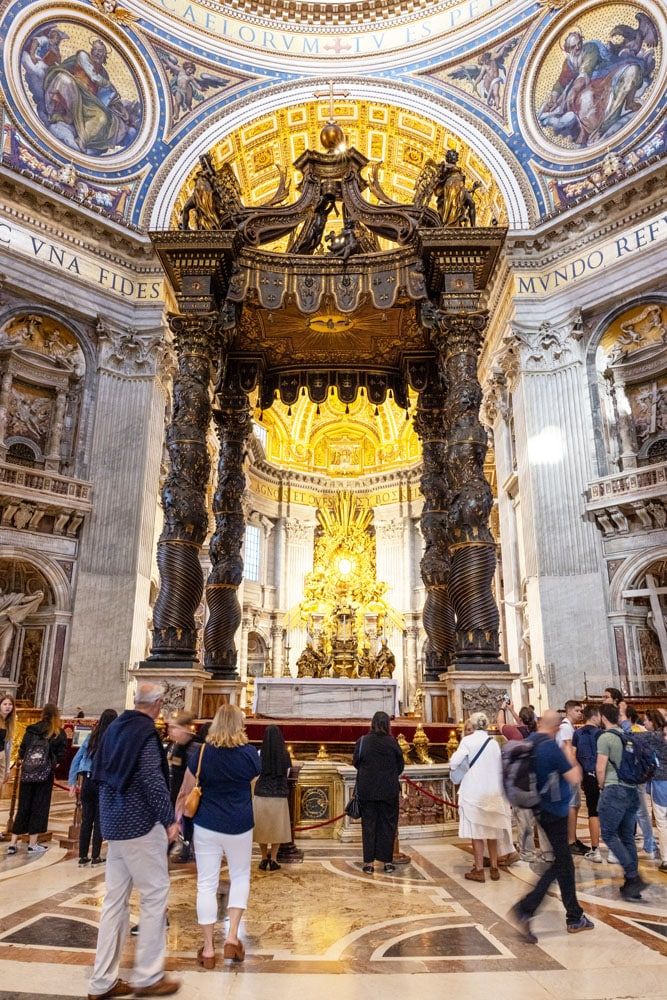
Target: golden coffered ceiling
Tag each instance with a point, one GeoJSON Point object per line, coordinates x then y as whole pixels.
{"type": "Point", "coordinates": [368, 336]}
{"type": "Point", "coordinates": [337, 443]}
{"type": "Point", "coordinates": [401, 139]}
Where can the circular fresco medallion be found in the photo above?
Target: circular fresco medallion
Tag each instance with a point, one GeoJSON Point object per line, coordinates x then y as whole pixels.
{"type": "Point", "coordinates": [594, 78]}
{"type": "Point", "coordinates": [83, 90]}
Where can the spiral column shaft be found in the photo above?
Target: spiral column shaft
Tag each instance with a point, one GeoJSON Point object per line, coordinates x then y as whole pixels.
{"type": "Point", "coordinates": [184, 491]}
{"type": "Point", "coordinates": [457, 339]}
{"type": "Point", "coordinates": [438, 613]}
{"type": "Point", "coordinates": [233, 424]}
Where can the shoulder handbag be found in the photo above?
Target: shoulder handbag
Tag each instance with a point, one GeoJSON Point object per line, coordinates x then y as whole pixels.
{"type": "Point", "coordinates": [194, 797]}
{"type": "Point", "coordinates": [459, 772]}
{"type": "Point", "coordinates": [352, 808]}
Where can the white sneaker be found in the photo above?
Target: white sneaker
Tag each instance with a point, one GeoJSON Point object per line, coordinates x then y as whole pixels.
{"type": "Point", "coordinates": [594, 855]}
{"type": "Point", "coordinates": [612, 859]}
{"type": "Point", "coordinates": [37, 849]}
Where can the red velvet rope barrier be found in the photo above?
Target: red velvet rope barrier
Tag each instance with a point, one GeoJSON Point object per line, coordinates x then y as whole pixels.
{"type": "Point", "coordinates": [408, 781]}
{"type": "Point", "coordinates": [430, 795]}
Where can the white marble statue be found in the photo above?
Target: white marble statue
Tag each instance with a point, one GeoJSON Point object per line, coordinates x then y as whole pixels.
{"type": "Point", "coordinates": [14, 609]}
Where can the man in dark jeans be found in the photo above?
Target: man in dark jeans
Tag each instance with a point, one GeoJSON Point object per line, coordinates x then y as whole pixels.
{"type": "Point", "coordinates": [555, 776]}
{"type": "Point", "coordinates": [619, 803]}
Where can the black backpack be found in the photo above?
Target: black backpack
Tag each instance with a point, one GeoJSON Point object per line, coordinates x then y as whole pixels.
{"type": "Point", "coordinates": [37, 762]}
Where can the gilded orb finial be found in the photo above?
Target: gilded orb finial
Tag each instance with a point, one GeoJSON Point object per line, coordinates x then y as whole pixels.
{"type": "Point", "coordinates": [332, 136]}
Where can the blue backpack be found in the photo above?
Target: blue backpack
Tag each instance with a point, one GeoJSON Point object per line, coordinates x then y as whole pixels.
{"type": "Point", "coordinates": [639, 761]}
{"type": "Point", "coordinates": [585, 742]}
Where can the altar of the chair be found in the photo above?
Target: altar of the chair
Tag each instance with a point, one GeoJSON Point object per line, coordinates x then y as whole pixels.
{"type": "Point", "coordinates": [324, 698]}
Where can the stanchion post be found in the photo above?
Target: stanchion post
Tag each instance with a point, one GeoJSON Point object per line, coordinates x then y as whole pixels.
{"type": "Point", "coordinates": [12, 804]}
{"type": "Point", "coordinates": [289, 853]}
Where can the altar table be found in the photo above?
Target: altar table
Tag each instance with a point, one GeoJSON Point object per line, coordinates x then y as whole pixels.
{"type": "Point", "coordinates": [324, 698]}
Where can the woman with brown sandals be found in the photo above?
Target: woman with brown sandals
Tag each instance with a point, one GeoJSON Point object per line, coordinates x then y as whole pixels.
{"type": "Point", "coordinates": [225, 767]}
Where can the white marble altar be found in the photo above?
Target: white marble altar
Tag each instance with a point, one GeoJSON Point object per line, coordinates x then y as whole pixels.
{"type": "Point", "coordinates": [324, 698]}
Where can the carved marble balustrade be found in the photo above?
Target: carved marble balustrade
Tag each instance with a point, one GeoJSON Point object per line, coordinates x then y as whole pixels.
{"type": "Point", "coordinates": [32, 499]}
{"type": "Point", "coordinates": [635, 500]}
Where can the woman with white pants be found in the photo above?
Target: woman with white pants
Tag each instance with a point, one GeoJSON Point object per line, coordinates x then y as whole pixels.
{"type": "Point", "coordinates": [223, 825]}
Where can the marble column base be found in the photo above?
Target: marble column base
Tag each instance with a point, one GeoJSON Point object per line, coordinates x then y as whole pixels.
{"type": "Point", "coordinates": [184, 684]}
{"type": "Point", "coordinates": [471, 691]}
{"type": "Point", "coordinates": [220, 692]}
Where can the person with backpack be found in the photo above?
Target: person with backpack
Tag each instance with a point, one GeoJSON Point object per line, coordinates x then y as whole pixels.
{"type": "Point", "coordinates": [585, 746]}
{"type": "Point", "coordinates": [42, 748]}
{"type": "Point", "coordinates": [656, 737]}
{"type": "Point", "coordinates": [554, 776]}
{"type": "Point", "coordinates": [644, 820]}
{"type": "Point", "coordinates": [620, 768]}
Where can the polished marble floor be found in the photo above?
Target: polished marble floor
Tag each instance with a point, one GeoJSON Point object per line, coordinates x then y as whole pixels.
{"type": "Point", "coordinates": [325, 927]}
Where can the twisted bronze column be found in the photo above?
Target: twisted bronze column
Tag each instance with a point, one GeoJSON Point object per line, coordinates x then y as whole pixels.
{"type": "Point", "coordinates": [457, 338]}
{"type": "Point", "coordinates": [438, 614]}
{"type": "Point", "coordinates": [233, 424]}
{"type": "Point", "coordinates": [184, 491]}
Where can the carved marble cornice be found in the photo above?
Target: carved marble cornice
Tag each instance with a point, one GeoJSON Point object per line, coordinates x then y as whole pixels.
{"type": "Point", "coordinates": [81, 225]}
{"type": "Point", "coordinates": [635, 198]}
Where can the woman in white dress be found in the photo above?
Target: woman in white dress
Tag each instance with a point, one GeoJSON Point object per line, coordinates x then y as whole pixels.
{"type": "Point", "coordinates": [484, 813]}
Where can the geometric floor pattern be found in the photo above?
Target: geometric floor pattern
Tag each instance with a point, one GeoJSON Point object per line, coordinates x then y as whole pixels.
{"type": "Point", "coordinates": [327, 930]}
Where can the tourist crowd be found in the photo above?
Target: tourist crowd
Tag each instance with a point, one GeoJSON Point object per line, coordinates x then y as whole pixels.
{"type": "Point", "coordinates": [211, 795]}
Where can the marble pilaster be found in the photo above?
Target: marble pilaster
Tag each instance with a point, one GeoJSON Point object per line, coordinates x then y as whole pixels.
{"type": "Point", "coordinates": [555, 569]}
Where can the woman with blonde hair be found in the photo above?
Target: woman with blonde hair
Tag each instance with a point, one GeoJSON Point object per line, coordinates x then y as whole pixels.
{"type": "Point", "coordinates": [41, 750]}
{"type": "Point", "coordinates": [484, 812]}
{"type": "Point", "coordinates": [7, 721]}
{"type": "Point", "coordinates": [226, 765]}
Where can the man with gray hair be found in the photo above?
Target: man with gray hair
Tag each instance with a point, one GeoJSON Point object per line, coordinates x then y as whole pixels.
{"type": "Point", "coordinates": [137, 820]}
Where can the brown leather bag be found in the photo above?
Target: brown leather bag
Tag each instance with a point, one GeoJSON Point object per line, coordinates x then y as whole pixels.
{"type": "Point", "coordinates": [194, 797]}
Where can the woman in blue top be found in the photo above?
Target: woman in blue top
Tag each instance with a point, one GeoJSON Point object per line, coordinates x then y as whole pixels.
{"type": "Point", "coordinates": [656, 725]}
{"type": "Point", "coordinates": [89, 790]}
{"type": "Point", "coordinates": [223, 825]}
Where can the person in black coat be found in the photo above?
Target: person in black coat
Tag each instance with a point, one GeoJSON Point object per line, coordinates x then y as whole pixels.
{"type": "Point", "coordinates": [44, 742]}
{"type": "Point", "coordinates": [379, 762]}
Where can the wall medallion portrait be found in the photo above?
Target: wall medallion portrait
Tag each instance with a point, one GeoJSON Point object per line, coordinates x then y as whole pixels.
{"type": "Point", "coordinates": [80, 86]}
{"type": "Point", "coordinates": [596, 76]}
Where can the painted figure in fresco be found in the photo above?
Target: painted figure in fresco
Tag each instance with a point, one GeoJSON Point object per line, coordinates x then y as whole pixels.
{"type": "Point", "coordinates": [75, 97]}
{"type": "Point", "coordinates": [488, 74]}
{"type": "Point", "coordinates": [186, 84]}
{"type": "Point", "coordinates": [598, 86]}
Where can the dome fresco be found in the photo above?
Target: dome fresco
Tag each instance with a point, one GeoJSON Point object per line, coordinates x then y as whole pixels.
{"type": "Point", "coordinates": [113, 105]}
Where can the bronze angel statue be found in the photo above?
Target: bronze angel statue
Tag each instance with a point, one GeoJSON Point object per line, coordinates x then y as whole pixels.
{"type": "Point", "coordinates": [215, 202]}
{"type": "Point", "coordinates": [446, 180]}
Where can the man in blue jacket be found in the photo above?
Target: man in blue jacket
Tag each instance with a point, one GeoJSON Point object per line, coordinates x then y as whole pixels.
{"type": "Point", "coordinates": [137, 820]}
